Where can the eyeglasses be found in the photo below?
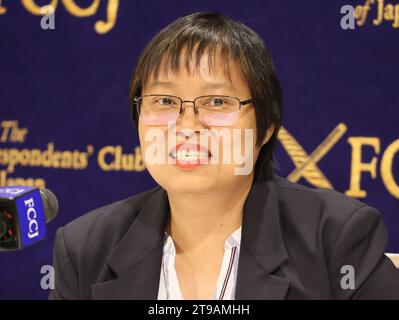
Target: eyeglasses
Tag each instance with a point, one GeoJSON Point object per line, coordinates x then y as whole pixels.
{"type": "Point", "coordinates": [212, 110]}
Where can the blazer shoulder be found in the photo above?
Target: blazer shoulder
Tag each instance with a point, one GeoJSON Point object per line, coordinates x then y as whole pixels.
{"type": "Point", "coordinates": [315, 203]}
{"type": "Point", "coordinates": [104, 226]}
{"type": "Point", "coordinates": [319, 216]}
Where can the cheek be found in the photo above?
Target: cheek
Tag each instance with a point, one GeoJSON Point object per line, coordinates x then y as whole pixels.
{"type": "Point", "coordinates": [154, 154]}
{"type": "Point", "coordinates": [247, 126]}
{"type": "Point", "coordinates": [152, 144]}
{"type": "Point", "coordinates": [240, 150]}
{"type": "Point", "coordinates": [142, 130]}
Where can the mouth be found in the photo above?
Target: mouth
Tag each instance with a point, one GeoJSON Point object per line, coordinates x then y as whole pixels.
{"type": "Point", "coordinates": [190, 155]}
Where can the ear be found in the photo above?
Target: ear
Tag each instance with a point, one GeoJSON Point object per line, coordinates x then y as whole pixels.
{"type": "Point", "coordinates": [269, 133]}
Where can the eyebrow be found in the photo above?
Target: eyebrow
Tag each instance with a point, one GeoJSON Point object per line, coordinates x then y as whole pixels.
{"type": "Point", "coordinates": [161, 84]}
{"type": "Point", "coordinates": [208, 85]}
{"type": "Point", "coordinates": [218, 85]}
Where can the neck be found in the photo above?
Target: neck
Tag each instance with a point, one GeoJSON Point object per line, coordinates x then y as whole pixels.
{"type": "Point", "coordinates": [202, 221]}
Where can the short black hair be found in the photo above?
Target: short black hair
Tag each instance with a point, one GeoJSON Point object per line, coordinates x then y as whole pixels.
{"type": "Point", "coordinates": [204, 32]}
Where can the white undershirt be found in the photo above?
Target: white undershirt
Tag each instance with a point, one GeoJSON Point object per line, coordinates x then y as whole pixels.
{"type": "Point", "coordinates": [169, 288]}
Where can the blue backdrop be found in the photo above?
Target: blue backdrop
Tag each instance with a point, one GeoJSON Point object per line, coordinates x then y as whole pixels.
{"type": "Point", "coordinates": [64, 113]}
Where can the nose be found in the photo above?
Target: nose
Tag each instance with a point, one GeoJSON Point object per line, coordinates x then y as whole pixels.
{"type": "Point", "coordinates": [188, 119]}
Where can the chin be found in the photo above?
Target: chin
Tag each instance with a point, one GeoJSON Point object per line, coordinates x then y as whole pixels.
{"type": "Point", "coordinates": [187, 182]}
{"type": "Point", "coordinates": [192, 189]}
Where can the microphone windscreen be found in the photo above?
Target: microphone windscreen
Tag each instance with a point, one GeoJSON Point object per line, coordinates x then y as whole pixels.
{"type": "Point", "coordinates": [50, 204]}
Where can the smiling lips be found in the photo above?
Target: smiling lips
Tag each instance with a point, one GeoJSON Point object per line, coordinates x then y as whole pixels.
{"type": "Point", "coordinates": [189, 155]}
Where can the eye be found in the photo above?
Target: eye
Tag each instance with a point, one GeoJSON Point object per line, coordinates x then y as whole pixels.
{"type": "Point", "coordinates": [165, 101]}
{"type": "Point", "coordinates": [216, 102]}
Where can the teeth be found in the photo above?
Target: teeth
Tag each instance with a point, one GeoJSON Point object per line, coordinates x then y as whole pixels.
{"type": "Point", "coordinates": [189, 155]}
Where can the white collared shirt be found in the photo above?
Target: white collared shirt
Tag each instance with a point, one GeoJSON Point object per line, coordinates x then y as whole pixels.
{"type": "Point", "coordinates": [169, 288]}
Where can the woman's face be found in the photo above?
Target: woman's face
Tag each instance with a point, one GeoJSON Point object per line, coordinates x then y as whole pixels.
{"type": "Point", "coordinates": [190, 156]}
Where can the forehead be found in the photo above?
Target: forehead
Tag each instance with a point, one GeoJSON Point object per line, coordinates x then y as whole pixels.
{"type": "Point", "coordinates": [210, 71]}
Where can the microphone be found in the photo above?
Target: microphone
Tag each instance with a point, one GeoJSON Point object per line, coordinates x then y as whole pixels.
{"type": "Point", "coordinates": [24, 212]}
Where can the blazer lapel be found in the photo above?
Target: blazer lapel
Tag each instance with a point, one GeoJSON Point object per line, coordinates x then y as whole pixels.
{"type": "Point", "coordinates": [136, 259]}
{"type": "Point", "coordinates": [262, 249]}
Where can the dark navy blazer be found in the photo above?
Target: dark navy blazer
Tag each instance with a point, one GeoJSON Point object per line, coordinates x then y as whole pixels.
{"type": "Point", "coordinates": [297, 243]}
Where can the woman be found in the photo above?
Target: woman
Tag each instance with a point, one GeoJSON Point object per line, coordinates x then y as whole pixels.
{"type": "Point", "coordinates": [203, 93]}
